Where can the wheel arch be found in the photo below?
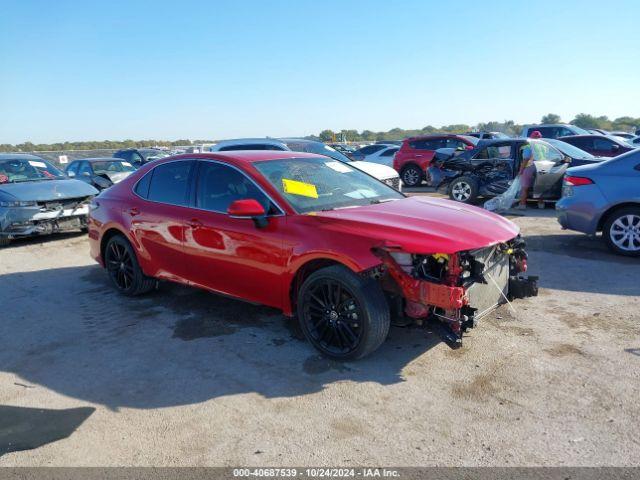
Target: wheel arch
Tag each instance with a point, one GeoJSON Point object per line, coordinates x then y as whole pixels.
{"type": "Point", "coordinates": [108, 235]}
{"type": "Point", "coordinates": [607, 213]}
{"type": "Point", "coordinates": [306, 268]}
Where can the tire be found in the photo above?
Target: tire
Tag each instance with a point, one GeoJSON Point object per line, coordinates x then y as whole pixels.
{"type": "Point", "coordinates": [411, 176]}
{"type": "Point", "coordinates": [463, 189]}
{"type": "Point", "coordinates": [4, 241]}
{"type": "Point", "coordinates": [621, 231]}
{"type": "Point", "coordinates": [344, 316]}
{"type": "Point", "coordinates": [123, 269]}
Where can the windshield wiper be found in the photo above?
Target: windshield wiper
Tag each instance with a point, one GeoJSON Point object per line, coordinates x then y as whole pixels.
{"type": "Point", "coordinates": [376, 201]}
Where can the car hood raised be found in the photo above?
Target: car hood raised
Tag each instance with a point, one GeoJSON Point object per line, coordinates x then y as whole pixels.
{"type": "Point", "coordinates": [44, 190]}
{"type": "Point", "coordinates": [423, 225]}
{"type": "Point", "coordinates": [381, 172]}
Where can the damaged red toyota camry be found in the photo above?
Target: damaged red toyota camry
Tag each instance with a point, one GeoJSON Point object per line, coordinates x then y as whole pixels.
{"type": "Point", "coordinates": [311, 236]}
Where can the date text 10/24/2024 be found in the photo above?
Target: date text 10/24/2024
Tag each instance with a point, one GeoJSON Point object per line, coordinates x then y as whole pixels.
{"type": "Point", "coordinates": [316, 472]}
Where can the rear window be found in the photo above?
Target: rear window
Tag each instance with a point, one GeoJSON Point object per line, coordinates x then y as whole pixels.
{"type": "Point", "coordinates": [427, 144]}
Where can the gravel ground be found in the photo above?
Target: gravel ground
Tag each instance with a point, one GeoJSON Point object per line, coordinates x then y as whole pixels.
{"type": "Point", "coordinates": [183, 377]}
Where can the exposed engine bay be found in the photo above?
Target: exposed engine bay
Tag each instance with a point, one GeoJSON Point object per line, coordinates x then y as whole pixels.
{"type": "Point", "coordinates": [457, 289]}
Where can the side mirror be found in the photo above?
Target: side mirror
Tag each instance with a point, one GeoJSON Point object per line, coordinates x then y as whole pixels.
{"type": "Point", "coordinates": [566, 159]}
{"type": "Point", "coordinates": [615, 147]}
{"type": "Point", "coordinates": [85, 174]}
{"type": "Point", "coordinates": [248, 208]}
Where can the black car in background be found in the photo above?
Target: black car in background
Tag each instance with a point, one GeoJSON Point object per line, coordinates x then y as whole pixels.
{"type": "Point", "coordinates": [577, 155]}
{"type": "Point", "coordinates": [139, 156]}
{"type": "Point", "coordinates": [489, 168]}
{"type": "Point", "coordinates": [600, 145]}
{"type": "Point", "coordinates": [101, 173]}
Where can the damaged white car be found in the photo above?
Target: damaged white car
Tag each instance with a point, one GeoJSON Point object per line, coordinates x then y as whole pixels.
{"type": "Point", "coordinates": [36, 198]}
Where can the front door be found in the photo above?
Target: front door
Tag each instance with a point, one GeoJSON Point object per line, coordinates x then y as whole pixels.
{"type": "Point", "coordinates": [550, 168]}
{"type": "Point", "coordinates": [229, 255]}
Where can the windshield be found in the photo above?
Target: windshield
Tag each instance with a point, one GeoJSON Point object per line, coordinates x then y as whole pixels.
{"type": "Point", "coordinates": [568, 149]}
{"type": "Point", "coordinates": [579, 131]}
{"type": "Point", "coordinates": [25, 170]}
{"type": "Point", "coordinates": [112, 167]}
{"type": "Point", "coordinates": [153, 154]}
{"type": "Point", "coordinates": [473, 140]}
{"type": "Point", "coordinates": [319, 148]}
{"type": "Point", "coordinates": [316, 184]}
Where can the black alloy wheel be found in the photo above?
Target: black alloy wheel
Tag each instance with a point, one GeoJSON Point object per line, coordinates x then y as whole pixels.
{"type": "Point", "coordinates": [342, 314]}
{"type": "Point", "coordinates": [123, 268]}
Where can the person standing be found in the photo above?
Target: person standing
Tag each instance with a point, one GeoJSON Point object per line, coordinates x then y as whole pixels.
{"type": "Point", "coordinates": [527, 173]}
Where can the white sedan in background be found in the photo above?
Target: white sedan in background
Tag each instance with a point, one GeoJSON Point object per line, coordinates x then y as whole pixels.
{"type": "Point", "coordinates": [384, 156]}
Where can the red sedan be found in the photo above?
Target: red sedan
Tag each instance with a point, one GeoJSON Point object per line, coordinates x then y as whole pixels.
{"type": "Point", "coordinates": [311, 236]}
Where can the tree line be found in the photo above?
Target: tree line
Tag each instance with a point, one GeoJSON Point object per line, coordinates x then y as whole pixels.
{"type": "Point", "coordinates": [509, 127]}
{"type": "Point", "coordinates": [583, 120]}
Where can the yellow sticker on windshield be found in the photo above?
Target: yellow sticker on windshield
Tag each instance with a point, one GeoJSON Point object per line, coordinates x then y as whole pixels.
{"type": "Point", "coordinates": [299, 188]}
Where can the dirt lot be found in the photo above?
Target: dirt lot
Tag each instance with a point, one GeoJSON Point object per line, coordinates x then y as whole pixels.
{"type": "Point", "coordinates": [183, 377]}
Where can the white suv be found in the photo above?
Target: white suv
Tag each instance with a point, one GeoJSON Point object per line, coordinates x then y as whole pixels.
{"type": "Point", "coordinates": [382, 172]}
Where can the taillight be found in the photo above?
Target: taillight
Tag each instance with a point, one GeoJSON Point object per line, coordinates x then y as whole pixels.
{"type": "Point", "coordinates": [577, 181]}
{"type": "Point", "coordinates": [469, 147]}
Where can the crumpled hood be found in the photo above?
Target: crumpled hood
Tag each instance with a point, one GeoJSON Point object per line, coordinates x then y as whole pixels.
{"type": "Point", "coordinates": [116, 177]}
{"type": "Point", "coordinates": [422, 225]}
{"type": "Point", "coordinates": [44, 190]}
{"type": "Point", "coordinates": [381, 172]}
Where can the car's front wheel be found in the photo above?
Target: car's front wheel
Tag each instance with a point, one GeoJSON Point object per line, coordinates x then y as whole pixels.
{"type": "Point", "coordinates": [411, 176]}
{"type": "Point", "coordinates": [123, 268]}
{"type": "Point", "coordinates": [342, 314]}
{"type": "Point", "coordinates": [463, 189]}
{"type": "Point", "coordinates": [621, 231]}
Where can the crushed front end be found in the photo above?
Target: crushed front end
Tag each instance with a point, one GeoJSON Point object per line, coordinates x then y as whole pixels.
{"type": "Point", "coordinates": [457, 289]}
{"type": "Point", "coordinates": [27, 218]}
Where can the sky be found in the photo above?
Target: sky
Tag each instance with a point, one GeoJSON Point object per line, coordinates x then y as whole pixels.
{"type": "Point", "coordinates": [79, 70]}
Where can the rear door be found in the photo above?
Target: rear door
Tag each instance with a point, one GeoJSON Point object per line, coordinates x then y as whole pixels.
{"type": "Point", "coordinates": [158, 217]}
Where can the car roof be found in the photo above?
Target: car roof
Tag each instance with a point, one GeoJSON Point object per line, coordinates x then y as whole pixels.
{"type": "Point", "coordinates": [265, 141]}
{"type": "Point", "coordinates": [437, 135]}
{"type": "Point", "coordinates": [19, 156]}
{"type": "Point", "coordinates": [550, 125]}
{"type": "Point", "coordinates": [242, 156]}
{"type": "Point", "coordinates": [98, 159]}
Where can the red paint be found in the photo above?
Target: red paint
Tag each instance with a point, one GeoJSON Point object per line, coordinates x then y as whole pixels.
{"type": "Point", "coordinates": [408, 155]}
{"type": "Point", "coordinates": [234, 256]}
{"type": "Point", "coordinates": [577, 181]}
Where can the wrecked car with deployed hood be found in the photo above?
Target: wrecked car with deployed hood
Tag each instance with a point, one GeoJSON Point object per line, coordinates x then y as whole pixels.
{"type": "Point", "coordinates": [490, 167]}
{"type": "Point", "coordinates": [316, 238]}
{"type": "Point", "coordinates": [36, 198]}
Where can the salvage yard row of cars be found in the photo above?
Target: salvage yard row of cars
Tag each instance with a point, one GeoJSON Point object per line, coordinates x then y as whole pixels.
{"type": "Point", "coordinates": [335, 240]}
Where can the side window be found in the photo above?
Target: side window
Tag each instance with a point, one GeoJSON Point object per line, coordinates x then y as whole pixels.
{"type": "Point", "coordinates": [429, 144]}
{"type": "Point", "coordinates": [564, 132]}
{"type": "Point", "coordinates": [453, 143]}
{"type": "Point", "coordinates": [170, 183]}
{"type": "Point", "coordinates": [85, 169]}
{"type": "Point", "coordinates": [581, 142]}
{"type": "Point", "coordinates": [218, 186]}
{"type": "Point", "coordinates": [73, 168]}
{"type": "Point", "coordinates": [126, 155]}
{"type": "Point", "coordinates": [136, 158]}
{"type": "Point", "coordinates": [142, 187]}
{"type": "Point", "coordinates": [390, 152]}
{"type": "Point", "coordinates": [546, 132]}
{"type": "Point", "coordinates": [368, 150]}
{"type": "Point", "coordinates": [602, 144]}
{"type": "Point", "coordinates": [545, 152]}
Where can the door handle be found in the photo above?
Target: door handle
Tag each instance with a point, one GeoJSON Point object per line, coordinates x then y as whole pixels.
{"type": "Point", "coordinates": [133, 211]}
{"type": "Point", "coordinates": [194, 223]}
